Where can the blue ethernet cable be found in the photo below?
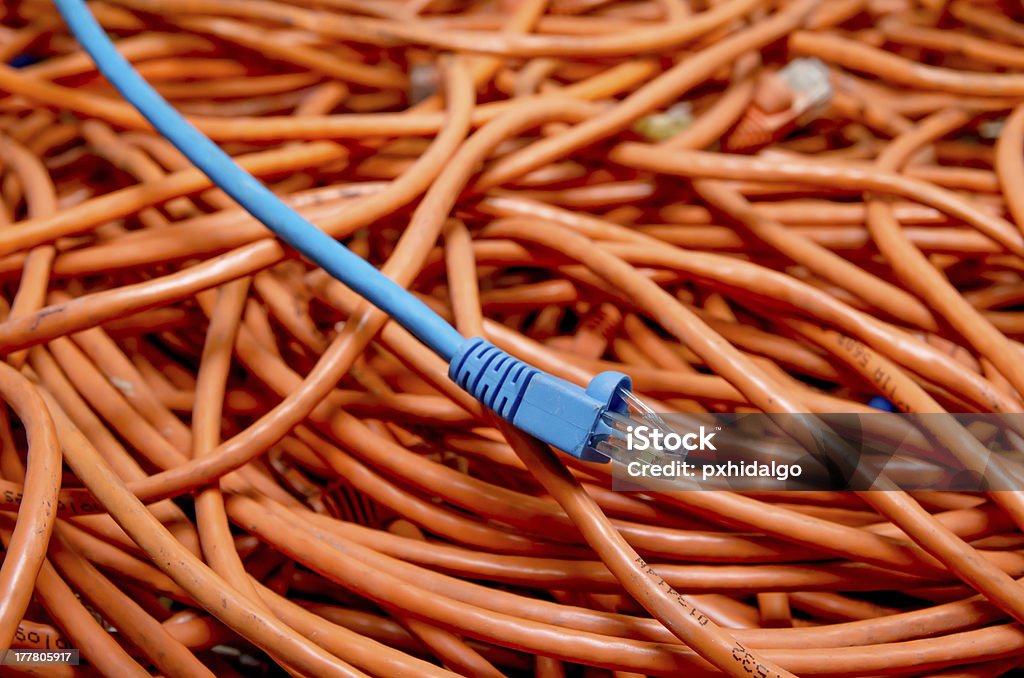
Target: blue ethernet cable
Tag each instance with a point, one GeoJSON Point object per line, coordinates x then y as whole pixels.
{"type": "Point", "coordinates": [589, 423]}
{"type": "Point", "coordinates": [259, 201]}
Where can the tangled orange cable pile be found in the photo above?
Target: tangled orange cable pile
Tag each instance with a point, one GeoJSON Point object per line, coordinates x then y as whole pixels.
{"type": "Point", "coordinates": [217, 460]}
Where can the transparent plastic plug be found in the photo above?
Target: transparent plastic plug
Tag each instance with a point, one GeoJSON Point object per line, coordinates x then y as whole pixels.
{"type": "Point", "coordinates": [811, 83]}
{"type": "Point", "coordinates": [612, 440]}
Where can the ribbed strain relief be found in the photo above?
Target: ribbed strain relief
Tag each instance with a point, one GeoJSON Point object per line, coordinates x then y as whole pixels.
{"type": "Point", "coordinates": [754, 130]}
{"type": "Point", "coordinates": [491, 375]}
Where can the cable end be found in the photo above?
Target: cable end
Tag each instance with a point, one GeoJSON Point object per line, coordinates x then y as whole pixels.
{"type": "Point", "coordinates": [577, 421]}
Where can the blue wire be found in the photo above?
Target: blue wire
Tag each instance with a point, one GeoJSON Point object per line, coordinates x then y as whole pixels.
{"type": "Point", "coordinates": [22, 60]}
{"type": "Point", "coordinates": [558, 412]}
{"type": "Point", "coordinates": [285, 222]}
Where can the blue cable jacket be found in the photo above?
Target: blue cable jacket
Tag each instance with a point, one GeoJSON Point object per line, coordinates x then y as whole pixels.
{"type": "Point", "coordinates": [552, 409]}
{"type": "Point", "coordinates": [260, 202]}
